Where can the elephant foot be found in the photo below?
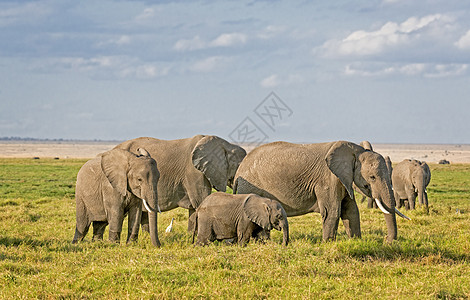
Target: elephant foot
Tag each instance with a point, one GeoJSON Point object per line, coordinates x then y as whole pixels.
{"type": "Point", "coordinates": [98, 237]}
{"type": "Point", "coordinates": [132, 238]}
{"type": "Point", "coordinates": [115, 236]}
{"type": "Point", "coordinates": [146, 228]}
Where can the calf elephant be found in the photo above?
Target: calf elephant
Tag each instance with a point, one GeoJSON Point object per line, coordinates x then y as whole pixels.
{"type": "Point", "coordinates": [410, 179]}
{"type": "Point", "coordinates": [189, 168]}
{"type": "Point", "coordinates": [319, 178]}
{"type": "Point", "coordinates": [224, 216]}
{"type": "Point", "coordinates": [112, 185]}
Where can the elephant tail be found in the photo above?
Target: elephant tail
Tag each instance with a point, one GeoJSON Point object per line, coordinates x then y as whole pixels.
{"type": "Point", "coordinates": [193, 223]}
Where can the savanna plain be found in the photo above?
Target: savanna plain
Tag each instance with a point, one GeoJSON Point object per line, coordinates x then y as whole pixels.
{"type": "Point", "coordinates": [430, 259]}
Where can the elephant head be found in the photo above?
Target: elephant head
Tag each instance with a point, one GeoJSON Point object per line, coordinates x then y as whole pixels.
{"type": "Point", "coordinates": [137, 174]}
{"type": "Point", "coordinates": [218, 160]}
{"type": "Point", "coordinates": [368, 170]}
{"type": "Point", "coordinates": [267, 214]}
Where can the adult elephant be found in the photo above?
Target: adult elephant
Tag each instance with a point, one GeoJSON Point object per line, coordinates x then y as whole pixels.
{"type": "Point", "coordinates": [319, 178]}
{"type": "Point", "coordinates": [189, 168]}
{"type": "Point", "coordinates": [410, 178]}
{"type": "Point", "coordinates": [114, 184]}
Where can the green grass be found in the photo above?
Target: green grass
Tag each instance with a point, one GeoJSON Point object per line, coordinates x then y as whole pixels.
{"type": "Point", "coordinates": [429, 260]}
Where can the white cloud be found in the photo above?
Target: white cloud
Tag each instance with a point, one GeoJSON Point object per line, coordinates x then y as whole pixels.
{"type": "Point", "coordinates": [210, 64]}
{"type": "Point", "coordinates": [189, 44]}
{"type": "Point", "coordinates": [271, 31]}
{"type": "Point", "coordinates": [427, 70]}
{"type": "Point", "coordinates": [146, 14]}
{"type": "Point", "coordinates": [391, 34]}
{"type": "Point", "coordinates": [118, 41]}
{"type": "Point", "coordinates": [464, 41]}
{"type": "Point", "coordinates": [275, 80]}
{"type": "Point", "coordinates": [223, 40]}
{"type": "Point", "coordinates": [106, 67]}
{"type": "Point", "coordinates": [229, 39]}
{"type": "Point", "coordinates": [270, 81]}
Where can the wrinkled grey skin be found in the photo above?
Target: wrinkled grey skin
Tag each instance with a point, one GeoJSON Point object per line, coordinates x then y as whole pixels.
{"type": "Point", "coordinates": [224, 216]}
{"type": "Point", "coordinates": [189, 168]}
{"type": "Point", "coordinates": [410, 179]}
{"type": "Point", "coordinates": [111, 186]}
{"type": "Point", "coordinates": [319, 178]}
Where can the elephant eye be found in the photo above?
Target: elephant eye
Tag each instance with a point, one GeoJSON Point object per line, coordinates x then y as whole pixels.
{"type": "Point", "coordinates": [366, 186]}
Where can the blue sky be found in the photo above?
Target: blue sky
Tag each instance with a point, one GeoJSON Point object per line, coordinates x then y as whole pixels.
{"type": "Point", "coordinates": [389, 71]}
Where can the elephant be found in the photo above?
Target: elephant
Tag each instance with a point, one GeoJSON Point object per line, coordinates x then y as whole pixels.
{"type": "Point", "coordinates": [410, 178]}
{"type": "Point", "coordinates": [189, 168]}
{"type": "Point", "coordinates": [308, 178]}
{"type": "Point", "coordinates": [243, 216]}
{"type": "Point", "coordinates": [111, 185]}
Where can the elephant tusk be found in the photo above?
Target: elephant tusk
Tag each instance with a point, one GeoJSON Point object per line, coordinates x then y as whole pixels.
{"type": "Point", "coordinates": [382, 208]}
{"type": "Point", "coordinates": [147, 207]}
{"type": "Point", "coordinates": [401, 215]}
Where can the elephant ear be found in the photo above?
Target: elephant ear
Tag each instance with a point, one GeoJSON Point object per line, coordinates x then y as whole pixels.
{"type": "Point", "coordinates": [257, 210]}
{"type": "Point", "coordinates": [235, 155]}
{"type": "Point", "coordinates": [209, 156]}
{"type": "Point", "coordinates": [115, 165]}
{"type": "Point", "coordinates": [341, 160]}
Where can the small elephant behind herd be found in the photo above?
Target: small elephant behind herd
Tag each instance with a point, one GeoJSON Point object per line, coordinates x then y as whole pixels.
{"type": "Point", "coordinates": [144, 176]}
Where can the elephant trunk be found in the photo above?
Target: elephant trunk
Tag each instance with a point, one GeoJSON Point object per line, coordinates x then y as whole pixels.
{"type": "Point", "coordinates": [388, 200]}
{"type": "Point", "coordinates": [152, 208]}
{"type": "Point", "coordinates": [154, 229]}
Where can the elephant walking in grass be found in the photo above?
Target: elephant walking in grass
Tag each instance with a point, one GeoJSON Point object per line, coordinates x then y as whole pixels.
{"type": "Point", "coordinates": [189, 168]}
{"type": "Point", "coordinates": [224, 216]}
{"type": "Point", "coordinates": [319, 178]}
{"type": "Point", "coordinates": [112, 185]}
{"type": "Point", "coordinates": [410, 178]}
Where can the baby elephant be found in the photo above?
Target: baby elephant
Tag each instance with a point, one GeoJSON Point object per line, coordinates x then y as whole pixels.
{"type": "Point", "coordinates": [223, 216]}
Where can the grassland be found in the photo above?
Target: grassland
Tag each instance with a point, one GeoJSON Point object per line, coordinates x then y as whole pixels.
{"type": "Point", "coordinates": [430, 260]}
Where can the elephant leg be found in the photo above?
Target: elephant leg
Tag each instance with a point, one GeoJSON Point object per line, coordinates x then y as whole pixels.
{"type": "Point", "coordinates": [116, 216]}
{"type": "Point", "coordinates": [371, 203]}
{"type": "Point", "coordinates": [83, 223]}
{"type": "Point", "coordinates": [363, 199]}
{"type": "Point", "coordinates": [197, 189]}
{"type": "Point", "coordinates": [191, 211]}
{"type": "Point", "coordinates": [133, 220]}
{"type": "Point", "coordinates": [244, 234]}
{"type": "Point", "coordinates": [398, 201]}
{"type": "Point", "coordinates": [80, 232]}
{"type": "Point", "coordinates": [98, 230]}
{"type": "Point", "coordinates": [350, 217]}
{"type": "Point", "coordinates": [411, 200]}
{"type": "Point", "coordinates": [330, 207]}
{"type": "Point", "coordinates": [144, 220]}
{"type": "Point", "coordinates": [205, 233]}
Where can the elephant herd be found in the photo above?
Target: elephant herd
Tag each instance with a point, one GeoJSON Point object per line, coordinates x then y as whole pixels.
{"type": "Point", "coordinates": [144, 176]}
